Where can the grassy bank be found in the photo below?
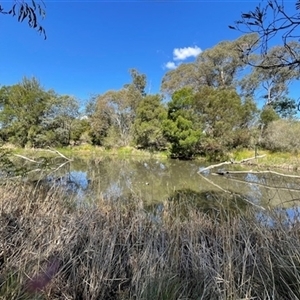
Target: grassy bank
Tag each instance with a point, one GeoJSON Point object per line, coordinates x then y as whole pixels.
{"type": "Point", "coordinates": [271, 159]}
{"type": "Point", "coordinates": [119, 250]}
{"type": "Point", "coordinates": [284, 160]}
{"type": "Point", "coordinates": [86, 152]}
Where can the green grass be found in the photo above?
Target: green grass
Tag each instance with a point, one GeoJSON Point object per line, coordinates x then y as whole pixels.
{"type": "Point", "coordinates": [85, 151]}
{"type": "Point", "coordinates": [270, 159]}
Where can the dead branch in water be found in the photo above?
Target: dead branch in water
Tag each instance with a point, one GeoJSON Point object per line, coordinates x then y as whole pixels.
{"type": "Point", "coordinates": [232, 162]}
{"type": "Point", "coordinates": [255, 172]}
{"type": "Point", "coordinates": [229, 192]}
{"type": "Point", "coordinates": [60, 154]}
{"type": "Point", "coordinates": [26, 158]}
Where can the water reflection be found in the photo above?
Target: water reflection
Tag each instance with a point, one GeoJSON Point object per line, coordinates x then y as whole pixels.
{"type": "Point", "coordinates": [217, 204]}
{"type": "Point", "coordinates": [154, 180]}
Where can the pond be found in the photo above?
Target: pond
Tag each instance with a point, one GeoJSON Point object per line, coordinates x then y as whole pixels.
{"type": "Point", "coordinates": [154, 180]}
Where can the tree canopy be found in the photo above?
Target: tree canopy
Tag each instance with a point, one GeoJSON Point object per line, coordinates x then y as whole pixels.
{"type": "Point", "coordinates": [216, 67]}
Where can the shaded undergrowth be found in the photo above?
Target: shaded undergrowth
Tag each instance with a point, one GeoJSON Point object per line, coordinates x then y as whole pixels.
{"type": "Point", "coordinates": [51, 249]}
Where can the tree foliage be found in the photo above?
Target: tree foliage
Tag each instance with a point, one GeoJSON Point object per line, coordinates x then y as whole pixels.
{"type": "Point", "coordinates": [23, 107]}
{"type": "Point", "coordinates": [226, 119]}
{"type": "Point", "coordinates": [285, 107]}
{"type": "Point", "coordinates": [269, 20]}
{"type": "Point", "coordinates": [61, 119]}
{"type": "Point", "coordinates": [31, 116]}
{"type": "Point", "coordinates": [115, 112]}
{"type": "Point", "coordinates": [148, 131]}
{"type": "Point", "coordinates": [181, 129]}
{"type": "Point", "coordinates": [215, 67]}
{"type": "Point", "coordinates": [271, 83]}
{"type": "Point", "coordinates": [211, 108]}
{"type": "Point", "coordinates": [30, 11]}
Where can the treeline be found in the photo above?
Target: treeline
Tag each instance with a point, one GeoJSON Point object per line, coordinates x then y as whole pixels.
{"type": "Point", "coordinates": [207, 107]}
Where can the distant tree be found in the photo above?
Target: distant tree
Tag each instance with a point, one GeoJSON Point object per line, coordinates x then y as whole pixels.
{"type": "Point", "coordinates": [150, 115]}
{"type": "Point", "coordinates": [286, 107]}
{"type": "Point", "coordinates": [117, 117]}
{"type": "Point", "coordinates": [139, 81]}
{"type": "Point", "coordinates": [99, 117]}
{"type": "Point", "coordinates": [267, 115]}
{"type": "Point", "coordinates": [181, 129]}
{"type": "Point", "coordinates": [80, 131]}
{"type": "Point", "coordinates": [271, 83]}
{"type": "Point", "coordinates": [23, 107]}
{"type": "Point", "coordinates": [29, 11]}
{"type": "Point", "coordinates": [226, 119]}
{"type": "Point", "coordinates": [112, 114]}
{"type": "Point", "coordinates": [269, 20]}
{"type": "Point", "coordinates": [215, 67]}
{"type": "Point", "coordinates": [33, 117]}
{"type": "Point", "coordinates": [60, 120]}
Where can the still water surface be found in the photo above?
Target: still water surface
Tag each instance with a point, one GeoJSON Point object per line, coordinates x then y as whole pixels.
{"type": "Point", "coordinates": [154, 180]}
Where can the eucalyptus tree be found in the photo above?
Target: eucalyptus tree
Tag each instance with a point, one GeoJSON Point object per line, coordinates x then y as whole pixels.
{"type": "Point", "coordinates": [60, 121]}
{"type": "Point", "coordinates": [23, 107]}
{"type": "Point", "coordinates": [286, 107]}
{"type": "Point", "coordinates": [226, 119]}
{"type": "Point", "coordinates": [115, 112]}
{"type": "Point", "coordinates": [270, 83]}
{"type": "Point", "coordinates": [217, 67]}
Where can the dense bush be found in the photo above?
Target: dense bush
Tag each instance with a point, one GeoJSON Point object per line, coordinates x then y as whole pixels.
{"type": "Point", "coordinates": [282, 135]}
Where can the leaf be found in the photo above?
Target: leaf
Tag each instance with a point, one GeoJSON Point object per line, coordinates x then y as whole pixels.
{"type": "Point", "coordinates": [32, 18]}
{"type": "Point", "coordinates": [252, 24]}
{"type": "Point", "coordinates": [41, 11]}
{"type": "Point", "coordinates": [33, 4]}
{"type": "Point", "coordinates": [247, 16]}
{"type": "Point", "coordinates": [271, 4]}
{"type": "Point", "coordinates": [231, 27]}
{"type": "Point", "coordinates": [298, 5]}
{"type": "Point", "coordinates": [25, 14]}
{"type": "Point", "coordinates": [14, 10]}
{"type": "Point", "coordinates": [21, 13]}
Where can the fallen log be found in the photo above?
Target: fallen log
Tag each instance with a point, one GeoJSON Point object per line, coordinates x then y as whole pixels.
{"type": "Point", "coordinates": [231, 162]}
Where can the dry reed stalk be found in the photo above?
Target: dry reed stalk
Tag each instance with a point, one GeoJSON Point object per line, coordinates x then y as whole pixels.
{"type": "Point", "coordinates": [51, 249]}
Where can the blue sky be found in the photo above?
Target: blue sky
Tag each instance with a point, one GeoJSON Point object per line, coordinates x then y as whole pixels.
{"type": "Point", "coordinates": [91, 45]}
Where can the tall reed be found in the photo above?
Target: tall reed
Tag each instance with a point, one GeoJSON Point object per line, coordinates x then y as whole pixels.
{"type": "Point", "coordinates": [52, 249]}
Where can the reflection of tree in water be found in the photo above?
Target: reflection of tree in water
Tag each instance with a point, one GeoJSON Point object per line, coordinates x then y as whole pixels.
{"type": "Point", "coordinates": [219, 205]}
{"type": "Point", "coordinates": [153, 181]}
{"type": "Point", "coordinates": [115, 177]}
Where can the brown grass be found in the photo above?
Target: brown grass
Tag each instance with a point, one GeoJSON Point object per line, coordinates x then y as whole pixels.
{"type": "Point", "coordinates": [50, 249]}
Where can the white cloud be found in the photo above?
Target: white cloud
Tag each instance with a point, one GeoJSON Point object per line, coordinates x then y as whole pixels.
{"type": "Point", "coordinates": [184, 53]}
{"type": "Point", "coordinates": [170, 65]}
